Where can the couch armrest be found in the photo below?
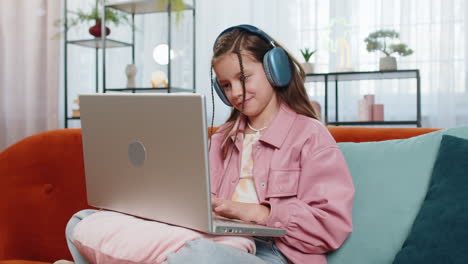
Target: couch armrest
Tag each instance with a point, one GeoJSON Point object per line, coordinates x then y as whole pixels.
{"type": "Point", "coordinates": [42, 185]}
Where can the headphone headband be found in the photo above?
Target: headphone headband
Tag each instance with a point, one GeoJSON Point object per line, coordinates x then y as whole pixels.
{"type": "Point", "coordinates": [276, 62]}
{"type": "Point", "coordinates": [251, 29]}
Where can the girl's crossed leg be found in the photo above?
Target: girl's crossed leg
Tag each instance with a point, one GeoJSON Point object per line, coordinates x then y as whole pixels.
{"type": "Point", "coordinates": [197, 251]}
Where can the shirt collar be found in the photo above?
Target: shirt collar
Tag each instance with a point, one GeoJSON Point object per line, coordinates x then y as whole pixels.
{"type": "Point", "coordinates": [279, 128]}
{"type": "Point", "coordinates": [236, 139]}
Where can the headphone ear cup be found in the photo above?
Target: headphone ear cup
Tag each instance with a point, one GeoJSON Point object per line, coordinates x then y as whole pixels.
{"type": "Point", "coordinates": [220, 91]}
{"type": "Point", "coordinates": [277, 67]}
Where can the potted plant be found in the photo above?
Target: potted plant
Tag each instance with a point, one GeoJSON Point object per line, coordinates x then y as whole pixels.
{"type": "Point", "coordinates": [111, 16]}
{"type": "Point", "coordinates": [307, 66]}
{"type": "Point", "coordinates": [381, 40]}
{"type": "Point", "coordinates": [177, 6]}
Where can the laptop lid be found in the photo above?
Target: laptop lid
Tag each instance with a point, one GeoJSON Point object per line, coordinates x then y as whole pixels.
{"type": "Point", "coordinates": [141, 152]}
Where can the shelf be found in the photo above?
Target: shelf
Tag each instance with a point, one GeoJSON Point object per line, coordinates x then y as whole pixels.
{"type": "Point", "coordinates": [139, 6]}
{"type": "Point", "coordinates": [148, 89]}
{"type": "Point", "coordinates": [357, 123]}
{"type": "Point", "coordinates": [368, 75]}
{"type": "Point", "coordinates": [315, 77]}
{"type": "Point", "coordinates": [97, 43]}
{"type": "Point", "coordinates": [175, 89]}
{"type": "Point", "coordinates": [337, 77]}
{"type": "Point", "coordinates": [132, 7]}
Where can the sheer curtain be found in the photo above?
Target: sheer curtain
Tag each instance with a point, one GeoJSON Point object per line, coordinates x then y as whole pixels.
{"type": "Point", "coordinates": [436, 30]}
{"type": "Point", "coordinates": [29, 68]}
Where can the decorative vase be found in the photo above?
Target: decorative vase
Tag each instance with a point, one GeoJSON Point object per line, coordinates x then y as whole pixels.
{"type": "Point", "coordinates": [377, 112]}
{"type": "Point", "coordinates": [131, 71]}
{"type": "Point", "coordinates": [159, 79]}
{"type": "Point", "coordinates": [387, 63]}
{"type": "Point", "coordinates": [364, 114]}
{"type": "Point", "coordinates": [308, 67]}
{"type": "Point", "coordinates": [365, 108]}
{"type": "Point", "coordinates": [96, 29]}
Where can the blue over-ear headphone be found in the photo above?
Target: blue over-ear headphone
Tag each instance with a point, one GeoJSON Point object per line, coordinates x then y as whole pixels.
{"type": "Point", "coordinates": [275, 62]}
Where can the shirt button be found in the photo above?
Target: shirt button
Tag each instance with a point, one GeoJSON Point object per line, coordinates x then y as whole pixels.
{"type": "Point", "coordinates": [263, 184]}
{"type": "Point", "coordinates": [237, 139]}
{"type": "Point", "coordinates": [277, 224]}
{"type": "Point", "coordinates": [259, 147]}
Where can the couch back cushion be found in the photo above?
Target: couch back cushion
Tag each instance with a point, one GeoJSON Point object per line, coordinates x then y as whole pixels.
{"type": "Point", "coordinates": [365, 134]}
{"type": "Point", "coordinates": [391, 180]}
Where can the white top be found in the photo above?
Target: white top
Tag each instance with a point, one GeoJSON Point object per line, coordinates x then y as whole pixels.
{"type": "Point", "coordinates": [245, 190]}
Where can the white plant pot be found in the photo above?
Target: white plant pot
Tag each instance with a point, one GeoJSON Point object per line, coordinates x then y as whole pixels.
{"type": "Point", "coordinates": [308, 67]}
{"type": "Point", "coordinates": [387, 64]}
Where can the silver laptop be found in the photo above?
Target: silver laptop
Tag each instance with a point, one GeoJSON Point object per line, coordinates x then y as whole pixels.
{"type": "Point", "coordinates": [147, 155]}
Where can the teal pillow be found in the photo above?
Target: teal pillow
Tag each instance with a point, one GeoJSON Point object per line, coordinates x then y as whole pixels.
{"type": "Point", "coordinates": [391, 180]}
{"type": "Point", "coordinates": [439, 233]}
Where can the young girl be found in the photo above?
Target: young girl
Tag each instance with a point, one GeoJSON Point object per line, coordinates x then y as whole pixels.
{"type": "Point", "coordinates": [273, 162]}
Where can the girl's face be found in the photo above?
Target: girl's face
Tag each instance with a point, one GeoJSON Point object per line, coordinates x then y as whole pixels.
{"type": "Point", "coordinates": [260, 97]}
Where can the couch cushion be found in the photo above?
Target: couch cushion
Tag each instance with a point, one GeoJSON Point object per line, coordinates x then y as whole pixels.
{"type": "Point", "coordinates": [439, 233]}
{"type": "Point", "coordinates": [391, 180]}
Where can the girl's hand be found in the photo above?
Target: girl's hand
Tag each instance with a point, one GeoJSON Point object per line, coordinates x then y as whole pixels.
{"type": "Point", "coordinates": [248, 212]}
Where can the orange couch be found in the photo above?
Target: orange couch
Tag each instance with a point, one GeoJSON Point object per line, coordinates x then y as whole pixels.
{"type": "Point", "coordinates": [42, 185]}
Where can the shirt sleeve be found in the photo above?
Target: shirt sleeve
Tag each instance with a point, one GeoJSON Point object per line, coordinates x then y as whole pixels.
{"type": "Point", "coordinates": [318, 218]}
{"type": "Point", "coordinates": [216, 163]}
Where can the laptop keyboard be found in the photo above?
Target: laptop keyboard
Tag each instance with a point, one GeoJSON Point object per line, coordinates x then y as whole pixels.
{"type": "Point", "coordinates": [228, 226]}
{"type": "Point", "coordinates": [236, 223]}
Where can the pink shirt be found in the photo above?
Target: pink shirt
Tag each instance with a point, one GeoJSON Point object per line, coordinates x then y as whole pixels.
{"type": "Point", "coordinates": [301, 173]}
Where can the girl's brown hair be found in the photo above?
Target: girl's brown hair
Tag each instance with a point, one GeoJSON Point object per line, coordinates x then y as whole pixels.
{"type": "Point", "coordinates": [295, 95]}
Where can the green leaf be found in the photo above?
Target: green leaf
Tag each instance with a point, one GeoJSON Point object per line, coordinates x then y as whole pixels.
{"type": "Point", "coordinates": [379, 41]}
{"type": "Point", "coordinates": [177, 6]}
{"type": "Point", "coordinates": [306, 53]}
{"type": "Point", "coordinates": [401, 49]}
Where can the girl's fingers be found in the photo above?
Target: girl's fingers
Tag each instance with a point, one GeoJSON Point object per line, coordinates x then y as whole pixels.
{"type": "Point", "coordinates": [217, 201]}
{"type": "Point", "coordinates": [219, 208]}
{"type": "Point", "coordinates": [230, 209]}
